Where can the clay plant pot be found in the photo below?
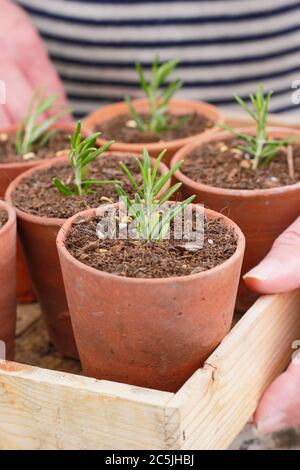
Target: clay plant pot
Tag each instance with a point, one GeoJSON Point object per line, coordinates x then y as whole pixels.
{"type": "Point", "coordinates": [95, 119]}
{"type": "Point", "coordinates": [148, 332]}
{"type": "Point", "coordinates": [262, 214]}
{"type": "Point", "coordinates": [8, 281]}
{"type": "Point", "coordinates": [38, 238]}
{"type": "Point", "coordinates": [8, 172]}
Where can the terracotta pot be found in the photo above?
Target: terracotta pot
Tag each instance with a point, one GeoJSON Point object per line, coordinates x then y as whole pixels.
{"type": "Point", "coordinates": [38, 238]}
{"type": "Point", "coordinates": [262, 214]}
{"type": "Point", "coordinates": [176, 106]}
{"type": "Point", "coordinates": [8, 172]}
{"type": "Point", "coordinates": [148, 332]}
{"type": "Point", "coordinates": [8, 281]}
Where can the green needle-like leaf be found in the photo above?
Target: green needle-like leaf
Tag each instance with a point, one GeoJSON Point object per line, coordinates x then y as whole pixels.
{"type": "Point", "coordinates": [62, 187]}
{"type": "Point", "coordinates": [34, 130]}
{"type": "Point", "coordinates": [156, 164]}
{"type": "Point", "coordinates": [261, 148]}
{"type": "Point", "coordinates": [161, 181]}
{"type": "Point", "coordinates": [146, 210]}
{"type": "Point", "coordinates": [135, 115]}
{"type": "Point", "coordinates": [130, 176]}
{"type": "Point", "coordinates": [169, 193]}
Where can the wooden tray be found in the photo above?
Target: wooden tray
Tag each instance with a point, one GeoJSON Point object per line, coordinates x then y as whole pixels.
{"type": "Point", "coordinates": [44, 405]}
{"type": "Point", "coordinates": [47, 409]}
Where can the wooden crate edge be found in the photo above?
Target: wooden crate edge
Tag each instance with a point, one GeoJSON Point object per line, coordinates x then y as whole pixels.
{"type": "Point", "coordinates": [47, 410]}
{"type": "Point", "coordinates": [207, 412]}
{"type": "Point", "coordinates": [217, 401]}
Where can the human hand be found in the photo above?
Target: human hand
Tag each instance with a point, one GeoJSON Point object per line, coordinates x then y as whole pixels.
{"type": "Point", "coordinates": [24, 64]}
{"type": "Point", "coordinates": [280, 272]}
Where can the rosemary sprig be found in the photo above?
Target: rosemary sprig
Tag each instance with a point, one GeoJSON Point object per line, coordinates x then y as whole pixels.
{"type": "Point", "coordinates": [261, 148]}
{"type": "Point", "coordinates": [82, 153]}
{"type": "Point", "coordinates": [158, 96]}
{"type": "Point", "coordinates": [33, 130]}
{"type": "Point", "coordinates": [151, 217]}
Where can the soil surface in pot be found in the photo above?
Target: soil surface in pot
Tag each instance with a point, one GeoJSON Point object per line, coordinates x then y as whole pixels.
{"type": "Point", "coordinates": [3, 218]}
{"type": "Point", "coordinates": [150, 259]}
{"type": "Point", "coordinates": [60, 141]}
{"type": "Point", "coordinates": [121, 129]}
{"type": "Point", "coordinates": [37, 195]}
{"type": "Point", "coordinates": [224, 165]}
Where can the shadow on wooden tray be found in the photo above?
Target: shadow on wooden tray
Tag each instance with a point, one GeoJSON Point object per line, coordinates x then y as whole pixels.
{"type": "Point", "coordinates": [32, 343]}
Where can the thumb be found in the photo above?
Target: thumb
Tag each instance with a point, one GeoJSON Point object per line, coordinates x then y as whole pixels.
{"type": "Point", "coordinates": [279, 408]}
{"type": "Point", "coordinates": [279, 271]}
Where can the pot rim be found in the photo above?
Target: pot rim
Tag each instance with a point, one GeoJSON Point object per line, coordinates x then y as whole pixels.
{"type": "Point", "coordinates": [202, 107]}
{"type": "Point", "coordinates": [239, 252]}
{"type": "Point", "coordinates": [245, 193]}
{"type": "Point", "coordinates": [28, 164]}
{"type": "Point", "coordinates": [11, 216]}
{"type": "Point", "coordinates": [56, 221]}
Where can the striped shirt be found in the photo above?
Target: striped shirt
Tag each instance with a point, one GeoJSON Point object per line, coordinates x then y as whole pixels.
{"type": "Point", "coordinates": [226, 47]}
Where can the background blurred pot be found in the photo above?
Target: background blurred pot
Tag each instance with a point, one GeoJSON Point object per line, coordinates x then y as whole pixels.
{"type": "Point", "coordinates": [94, 120]}
{"type": "Point", "coordinates": [8, 172]}
{"type": "Point", "coordinates": [148, 332]}
{"type": "Point", "coordinates": [8, 280]}
{"type": "Point", "coordinates": [262, 214]}
{"type": "Point", "coordinates": [38, 238]}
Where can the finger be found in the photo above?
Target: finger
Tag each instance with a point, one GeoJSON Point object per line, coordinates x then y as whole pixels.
{"type": "Point", "coordinates": [4, 117]}
{"type": "Point", "coordinates": [280, 269]}
{"type": "Point", "coordinates": [280, 405]}
{"type": "Point", "coordinates": [18, 90]}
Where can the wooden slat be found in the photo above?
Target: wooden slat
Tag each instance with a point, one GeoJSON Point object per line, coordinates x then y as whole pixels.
{"type": "Point", "coordinates": [42, 409]}
{"type": "Point", "coordinates": [217, 401]}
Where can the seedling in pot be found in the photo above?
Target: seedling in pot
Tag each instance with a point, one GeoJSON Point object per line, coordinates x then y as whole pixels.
{"type": "Point", "coordinates": [158, 95]}
{"type": "Point", "coordinates": [261, 149]}
{"type": "Point", "coordinates": [151, 216]}
{"type": "Point", "coordinates": [34, 131]}
{"type": "Point", "coordinates": [82, 153]}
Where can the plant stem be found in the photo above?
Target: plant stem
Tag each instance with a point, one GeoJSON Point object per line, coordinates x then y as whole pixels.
{"type": "Point", "coordinates": [260, 141]}
{"type": "Point", "coordinates": [290, 161]}
{"type": "Point", "coordinates": [78, 180]}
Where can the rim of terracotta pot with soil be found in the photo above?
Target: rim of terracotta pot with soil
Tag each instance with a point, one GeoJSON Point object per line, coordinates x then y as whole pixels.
{"type": "Point", "coordinates": [7, 262]}
{"type": "Point", "coordinates": [93, 213]}
{"type": "Point", "coordinates": [262, 213]}
{"type": "Point", "coordinates": [63, 161]}
{"type": "Point", "coordinates": [41, 131]}
{"type": "Point", "coordinates": [211, 114]}
{"type": "Point", "coordinates": [67, 128]}
{"type": "Point", "coordinates": [222, 137]}
{"type": "Point", "coordinates": [164, 295]}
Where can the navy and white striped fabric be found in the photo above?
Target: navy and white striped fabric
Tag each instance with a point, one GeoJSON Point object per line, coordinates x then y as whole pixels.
{"type": "Point", "coordinates": [225, 46]}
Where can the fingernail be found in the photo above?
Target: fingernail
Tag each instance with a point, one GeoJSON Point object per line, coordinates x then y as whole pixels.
{"type": "Point", "coordinates": [263, 271]}
{"type": "Point", "coordinates": [271, 423]}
